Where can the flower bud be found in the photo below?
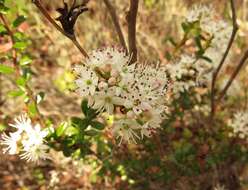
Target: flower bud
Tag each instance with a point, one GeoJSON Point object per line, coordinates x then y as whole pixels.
{"type": "Point", "coordinates": [106, 68]}
{"type": "Point", "coordinates": [130, 114]}
{"type": "Point", "coordinates": [112, 81]}
{"type": "Point", "coordinates": [114, 73]}
{"type": "Point", "coordinates": [191, 72]}
{"type": "Point", "coordinates": [102, 85]}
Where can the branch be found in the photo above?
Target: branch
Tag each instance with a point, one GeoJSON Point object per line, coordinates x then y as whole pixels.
{"type": "Point", "coordinates": [131, 20]}
{"type": "Point", "coordinates": [60, 29]}
{"type": "Point", "coordinates": [115, 20]}
{"type": "Point", "coordinates": [216, 72]}
{"type": "Point", "coordinates": [235, 73]}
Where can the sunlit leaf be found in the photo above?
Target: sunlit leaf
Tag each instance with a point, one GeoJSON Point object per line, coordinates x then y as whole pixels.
{"type": "Point", "coordinates": [6, 69]}
{"type": "Point", "coordinates": [25, 60]}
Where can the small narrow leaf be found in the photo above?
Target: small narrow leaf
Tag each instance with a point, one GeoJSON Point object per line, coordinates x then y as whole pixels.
{"type": "Point", "coordinates": [6, 69]}
{"type": "Point", "coordinates": [3, 8]}
{"type": "Point", "coordinates": [18, 21]}
{"type": "Point", "coordinates": [25, 60]}
{"type": "Point", "coordinates": [79, 123]}
{"type": "Point", "coordinates": [21, 82]}
{"type": "Point", "coordinates": [61, 129]}
{"type": "Point", "coordinates": [88, 112]}
{"type": "Point", "coordinates": [97, 125]}
{"type": "Point", "coordinates": [91, 133]}
{"type": "Point", "coordinates": [2, 29]}
{"type": "Point", "coordinates": [16, 93]}
{"type": "Point", "coordinates": [32, 109]}
{"type": "Point", "coordinates": [20, 45]}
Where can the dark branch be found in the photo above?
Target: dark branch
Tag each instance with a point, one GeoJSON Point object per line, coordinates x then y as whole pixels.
{"type": "Point", "coordinates": [65, 33]}
{"type": "Point", "coordinates": [114, 17]}
{"type": "Point", "coordinates": [131, 20]}
{"type": "Point", "coordinates": [216, 72]}
{"type": "Point", "coordinates": [234, 75]}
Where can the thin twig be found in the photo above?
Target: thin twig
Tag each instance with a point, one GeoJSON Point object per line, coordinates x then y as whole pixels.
{"type": "Point", "coordinates": [30, 93]}
{"type": "Point", "coordinates": [60, 29]}
{"type": "Point", "coordinates": [235, 73]}
{"type": "Point", "coordinates": [131, 20]}
{"type": "Point", "coordinates": [216, 72]}
{"type": "Point", "coordinates": [115, 19]}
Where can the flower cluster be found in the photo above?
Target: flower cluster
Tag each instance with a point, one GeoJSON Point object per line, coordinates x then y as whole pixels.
{"type": "Point", "coordinates": [239, 125]}
{"type": "Point", "coordinates": [218, 30]}
{"type": "Point", "coordinates": [194, 71]}
{"type": "Point", "coordinates": [27, 140]}
{"type": "Point", "coordinates": [134, 94]}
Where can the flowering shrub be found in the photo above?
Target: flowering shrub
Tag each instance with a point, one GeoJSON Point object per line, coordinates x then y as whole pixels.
{"type": "Point", "coordinates": [138, 118]}
{"type": "Point", "coordinates": [134, 94]}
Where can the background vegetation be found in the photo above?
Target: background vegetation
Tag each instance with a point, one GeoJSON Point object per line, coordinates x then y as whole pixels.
{"type": "Point", "coordinates": [187, 155]}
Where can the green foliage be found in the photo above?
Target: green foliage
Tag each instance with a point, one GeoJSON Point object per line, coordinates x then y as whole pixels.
{"type": "Point", "coordinates": [18, 21]}
{"type": "Point", "coordinates": [6, 69]}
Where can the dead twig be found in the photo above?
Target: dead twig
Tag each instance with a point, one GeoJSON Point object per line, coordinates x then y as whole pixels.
{"type": "Point", "coordinates": [233, 76]}
{"type": "Point", "coordinates": [115, 20]}
{"type": "Point", "coordinates": [216, 72]}
{"type": "Point", "coordinates": [131, 20]}
{"type": "Point", "coordinates": [60, 29]}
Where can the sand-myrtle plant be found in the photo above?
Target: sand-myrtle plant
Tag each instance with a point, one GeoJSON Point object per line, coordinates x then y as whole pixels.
{"type": "Point", "coordinates": [165, 118]}
{"type": "Point", "coordinates": [136, 94]}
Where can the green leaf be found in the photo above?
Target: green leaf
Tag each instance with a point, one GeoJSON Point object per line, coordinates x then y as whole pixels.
{"type": "Point", "coordinates": [207, 59]}
{"type": "Point", "coordinates": [97, 125]}
{"type": "Point", "coordinates": [71, 131]}
{"type": "Point", "coordinates": [18, 21]}
{"type": "Point", "coordinates": [79, 123]}
{"type": "Point", "coordinates": [3, 8]}
{"type": "Point", "coordinates": [32, 109]}
{"type": "Point", "coordinates": [84, 107]}
{"type": "Point", "coordinates": [6, 69]}
{"type": "Point", "coordinates": [25, 60]}
{"type": "Point", "coordinates": [186, 27]}
{"type": "Point", "coordinates": [21, 82]}
{"type": "Point", "coordinates": [16, 93]}
{"type": "Point", "coordinates": [61, 129]}
{"type": "Point", "coordinates": [2, 29]}
{"type": "Point", "coordinates": [88, 112]}
{"type": "Point", "coordinates": [91, 133]}
{"type": "Point", "coordinates": [20, 45]}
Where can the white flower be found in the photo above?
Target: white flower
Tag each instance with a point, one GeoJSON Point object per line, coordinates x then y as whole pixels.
{"type": "Point", "coordinates": [35, 153]}
{"type": "Point", "coordinates": [199, 12]}
{"type": "Point", "coordinates": [239, 124]}
{"type": "Point", "coordinates": [153, 120]}
{"type": "Point", "coordinates": [27, 140]}
{"type": "Point", "coordinates": [87, 80]}
{"type": "Point", "coordinates": [115, 57]}
{"type": "Point", "coordinates": [10, 142]}
{"type": "Point", "coordinates": [106, 100]}
{"type": "Point", "coordinates": [219, 187]}
{"type": "Point", "coordinates": [117, 88]}
{"type": "Point", "coordinates": [33, 147]}
{"type": "Point", "coordinates": [125, 129]}
{"type": "Point", "coordinates": [219, 30]}
{"type": "Point", "coordinates": [22, 123]}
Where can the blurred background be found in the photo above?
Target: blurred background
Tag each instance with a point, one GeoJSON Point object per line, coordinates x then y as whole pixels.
{"type": "Point", "coordinates": [158, 23]}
